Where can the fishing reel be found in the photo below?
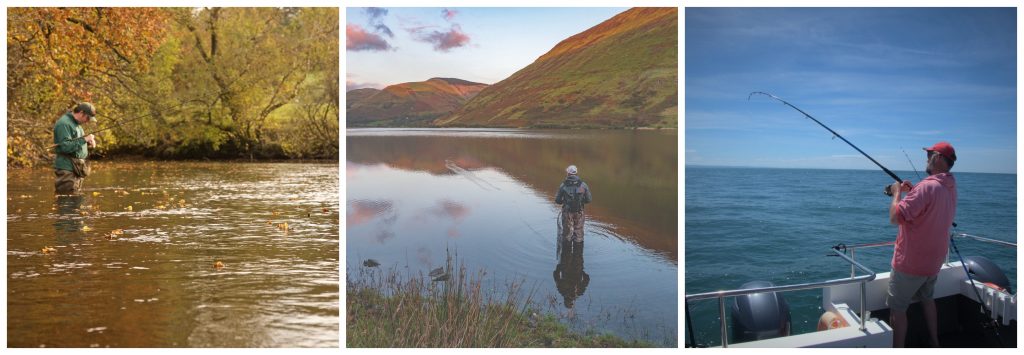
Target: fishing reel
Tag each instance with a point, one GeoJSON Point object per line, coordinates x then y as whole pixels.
{"type": "Point", "coordinates": [888, 190]}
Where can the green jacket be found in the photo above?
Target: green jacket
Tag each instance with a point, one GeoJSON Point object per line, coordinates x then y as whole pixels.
{"type": "Point", "coordinates": [66, 127]}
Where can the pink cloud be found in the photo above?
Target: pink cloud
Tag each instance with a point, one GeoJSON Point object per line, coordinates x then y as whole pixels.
{"type": "Point", "coordinates": [357, 39]}
{"type": "Point", "coordinates": [448, 15]}
{"type": "Point", "coordinates": [445, 41]}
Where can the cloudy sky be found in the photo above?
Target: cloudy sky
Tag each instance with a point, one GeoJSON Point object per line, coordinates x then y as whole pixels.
{"type": "Point", "coordinates": [884, 78]}
{"type": "Point", "coordinates": [386, 46]}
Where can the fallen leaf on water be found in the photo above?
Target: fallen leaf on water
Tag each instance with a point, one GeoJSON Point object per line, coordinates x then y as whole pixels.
{"type": "Point", "coordinates": [218, 265]}
{"type": "Point", "coordinates": [371, 263]}
{"type": "Point", "coordinates": [325, 209]}
{"type": "Point", "coordinates": [47, 250]}
{"type": "Point", "coordinates": [80, 212]}
{"type": "Point", "coordinates": [95, 193]}
{"type": "Point", "coordinates": [86, 228]}
{"type": "Point", "coordinates": [117, 231]}
{"type": "Point", "coordinates": [283, 226]}
{"type": "Point", "coordinates": [276, 213]}
{"type": "Point", "coordinates": [129, 208]}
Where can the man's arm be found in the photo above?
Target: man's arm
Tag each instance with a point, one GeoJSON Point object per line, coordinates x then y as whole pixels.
{"type": "Point", "coordinates": [62, 133]}
{"type": "Point", "coordinates": [586, 197]}
{"type": "Point", "coordinates": [894, 207]}
{"type": "Point", "coordinates": [560, 196]}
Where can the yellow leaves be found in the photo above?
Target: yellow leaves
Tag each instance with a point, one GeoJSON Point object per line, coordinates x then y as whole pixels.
{"type": "Point", "coordinates": [95, 193]}
{"type": "Point", "coordinates": [47, 250]}
{"type": "Point", "coordinates": [218, 265]}
{"type": "Point", "coordinates": [283, 226]}
{"type": "Point", "coordinates": [129, 208]}
{"type": "Point", "coordinates": [86, 228]}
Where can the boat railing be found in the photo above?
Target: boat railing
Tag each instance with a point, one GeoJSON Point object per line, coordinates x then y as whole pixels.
{"type": "Point", "coordinates": [721, 295]}
{"type": "Point", "coordinates": [852, 248]}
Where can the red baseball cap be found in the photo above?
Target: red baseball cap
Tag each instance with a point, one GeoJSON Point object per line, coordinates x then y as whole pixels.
{"type": "Point", "coordinates": [943, 148]}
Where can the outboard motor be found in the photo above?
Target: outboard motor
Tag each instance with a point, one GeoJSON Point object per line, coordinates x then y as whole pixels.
{"type": "Point", "coordinates": [984, 270]}
{"type": "Point", "coordinates": [759, 316]}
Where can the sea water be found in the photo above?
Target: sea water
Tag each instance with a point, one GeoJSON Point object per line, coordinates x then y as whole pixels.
{"type": "Point", "coordinates": [746, 224]}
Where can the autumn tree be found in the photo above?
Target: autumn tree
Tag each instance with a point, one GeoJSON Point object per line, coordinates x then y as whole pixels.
{"type": "Point", "coordinates": [59, 56]}
{"type": "Point", "coordinates": [195, 82]}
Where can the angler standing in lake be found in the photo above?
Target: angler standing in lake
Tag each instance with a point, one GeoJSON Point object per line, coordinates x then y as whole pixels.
{"type": "Point", "coordinates": [69, 165]}
{"type": "Point", "coordinates": [572, 195]}
{"type": "Point", "coordinates": [924, 218]}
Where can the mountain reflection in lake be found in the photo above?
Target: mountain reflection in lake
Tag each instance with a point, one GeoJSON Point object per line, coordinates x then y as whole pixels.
{"type": "Point", "coordinates": [488, 195]}
{"type": "Point", "coordinates": [154, 283]}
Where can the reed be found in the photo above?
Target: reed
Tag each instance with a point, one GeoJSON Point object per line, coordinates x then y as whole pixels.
{"type": "Point", "coordinates": [387, 310]}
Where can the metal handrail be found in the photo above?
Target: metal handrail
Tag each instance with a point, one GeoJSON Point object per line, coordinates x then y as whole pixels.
{"type": "Point", "coordinates": [986, 240]}
{"type": "Point", "coordinates": [851, 248]}
{"type": "Point", "coordinates": [721, 295]}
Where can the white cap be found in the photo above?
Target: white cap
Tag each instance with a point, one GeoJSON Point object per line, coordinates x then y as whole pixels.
{"type": "Point", "coordinates": [571, 170]}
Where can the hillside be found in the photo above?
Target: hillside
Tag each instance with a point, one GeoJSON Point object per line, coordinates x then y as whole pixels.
{"type": "Point", "coordinates": [620, 73]}
{"type": "Point", "coordinates": [408, 104]}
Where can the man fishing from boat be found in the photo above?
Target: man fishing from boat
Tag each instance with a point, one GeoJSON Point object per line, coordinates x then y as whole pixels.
{"type": "Point", "coordinates": [72, 147]}
{"type": "Point", "coordinates": [573, 194]}
{"type": "Point", "coordinates": [923, 217]}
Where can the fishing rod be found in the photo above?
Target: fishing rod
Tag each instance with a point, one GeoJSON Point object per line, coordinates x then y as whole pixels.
{"type": "Point", "coordinates": [118, 124]}
{"type": "Point", "coordinates": [911, 163]}
{"type": "Point", "coordinates": [986, 313]}
{"type": "Point", "coordinates": [834, 134]}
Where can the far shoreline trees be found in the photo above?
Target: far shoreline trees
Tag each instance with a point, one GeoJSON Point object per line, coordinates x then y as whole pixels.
{"type": "Point", "coordinates": [210, 82]}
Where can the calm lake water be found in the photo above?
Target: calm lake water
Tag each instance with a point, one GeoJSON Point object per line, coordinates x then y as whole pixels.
{"type": "Point", "coordinates": [415, 196]}
{"type": "Point", "coordinates": [778, 224]}
{"type": "Point", "coordinates": [155, 285]}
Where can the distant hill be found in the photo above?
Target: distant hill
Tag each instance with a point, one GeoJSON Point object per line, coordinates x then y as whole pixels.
{"type": "Point", "coordinates": [357, 95]}
{"type": "Point", "coordinates": [408, 104]}
{"type": "Point", "coordinates": [620, 73]}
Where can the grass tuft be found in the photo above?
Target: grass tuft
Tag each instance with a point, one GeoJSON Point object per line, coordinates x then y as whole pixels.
{"type": "Point", "coordinates": [389, 311]}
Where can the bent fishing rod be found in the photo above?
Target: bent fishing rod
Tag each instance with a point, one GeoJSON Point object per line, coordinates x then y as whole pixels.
{"type": "Point", "coordinates": [834, 134]}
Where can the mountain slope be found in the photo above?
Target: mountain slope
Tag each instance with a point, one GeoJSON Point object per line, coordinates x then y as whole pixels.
{"type": "Point", "coordinates": [408, 104]}
{"type": "Point", "coordinates": [620, 73]}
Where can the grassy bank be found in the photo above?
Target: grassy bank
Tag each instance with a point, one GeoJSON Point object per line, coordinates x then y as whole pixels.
{"type": "Point", "coordinates": [453, 312]}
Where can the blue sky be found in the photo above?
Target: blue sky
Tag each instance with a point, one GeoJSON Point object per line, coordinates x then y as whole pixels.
{"type": "Point", "coordinates": [884, 78]}
{"type": "Point", "coordinates": [386, 46]}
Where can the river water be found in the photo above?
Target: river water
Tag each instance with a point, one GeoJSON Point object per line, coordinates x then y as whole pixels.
{"type": "Point", "coordinates": [154, 282]}
{"type": "Point", "coordinates": [416, 196]}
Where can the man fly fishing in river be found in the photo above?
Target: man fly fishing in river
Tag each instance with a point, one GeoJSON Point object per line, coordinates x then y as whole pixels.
{"type": "Point", "coordinates": [572, 195]}
{"type": "Point", "coordinates": [69, 165]}
{"type": "Point", "coordinates": [924, 217]}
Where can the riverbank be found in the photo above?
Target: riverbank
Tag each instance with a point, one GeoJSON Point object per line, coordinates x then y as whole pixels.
{"type": "Point", "coordinates": [454, 312]}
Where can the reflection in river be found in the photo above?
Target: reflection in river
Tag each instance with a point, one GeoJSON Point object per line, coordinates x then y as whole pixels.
{"type": "Point", "coordinates": [133, 257]}
{"type": "Point", "coordinates": [415, 196]}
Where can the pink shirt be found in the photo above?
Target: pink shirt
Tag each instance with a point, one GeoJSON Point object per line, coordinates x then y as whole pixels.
{"type": "Point", "coordinates": [924, 218]}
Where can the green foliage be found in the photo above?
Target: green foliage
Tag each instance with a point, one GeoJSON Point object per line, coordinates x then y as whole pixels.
{"type": "Point", "coordinates": [203, 83]}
